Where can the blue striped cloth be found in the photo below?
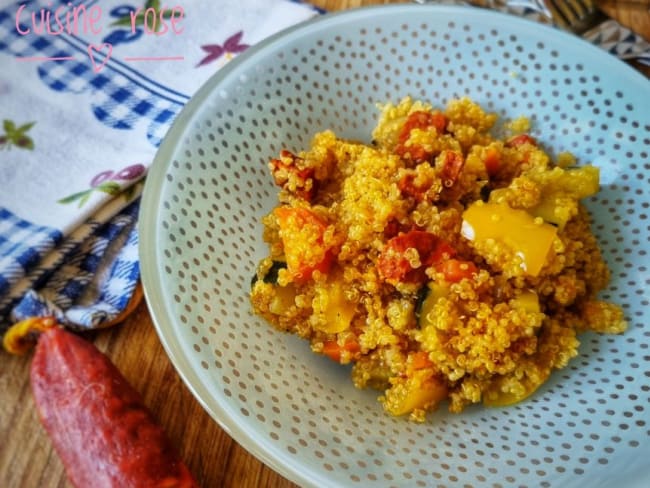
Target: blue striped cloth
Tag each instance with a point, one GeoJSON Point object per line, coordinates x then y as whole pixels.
{"type": "Point", "coordinates": [84, 280]}
{"type": "Point", "coordinates": [78, 131]}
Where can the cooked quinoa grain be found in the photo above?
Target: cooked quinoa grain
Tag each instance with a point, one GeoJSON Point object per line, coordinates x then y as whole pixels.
{"type": "Point", "coordinates": [447, 265]}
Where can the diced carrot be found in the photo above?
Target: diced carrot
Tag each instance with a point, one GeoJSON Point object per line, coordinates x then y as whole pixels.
{"type": "Point", "coordinates": [333, 349]}
{"type": "Point", "coordinates": [492, 161]}
{"type": "Point", "coordinates": [302, 231]}
{"type": "Point", "coordinates": [454, 270]}
{"type": "Point", "coordinates": [421, 360]}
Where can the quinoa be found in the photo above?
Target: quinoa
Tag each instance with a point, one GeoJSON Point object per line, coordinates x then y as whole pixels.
{"type": "Point", "coordinates": [447, 265]}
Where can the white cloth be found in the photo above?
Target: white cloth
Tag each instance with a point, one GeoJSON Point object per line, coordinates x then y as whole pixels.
{"type": "Point", "coordinates": [84, 107]}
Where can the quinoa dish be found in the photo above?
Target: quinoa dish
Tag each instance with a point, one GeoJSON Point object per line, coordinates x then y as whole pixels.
{"type": "Point", "coordinates": [446, 264]}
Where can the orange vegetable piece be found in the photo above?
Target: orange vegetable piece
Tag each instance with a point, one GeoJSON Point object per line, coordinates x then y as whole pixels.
{"type": "Point", "coordinates": [520, 140]}
{"type": "Point", "coordinates": [419, 120]}
{"type": "Point", "coordinates": [421, 360]}
{"type": "Point", "coordinates": [455, 270]}
{"type": "Point", "coordinates": [333, 349]}
{"type": "Point", "coordinates": [393, 263]}
{"type": "Point", "coordinates": [302, 231]}
{"type": "Point", "coordinates": [492, 161]}
{"type": "Point", "coordinates": [288, 171]}
{"type": "Point", "coordinates": [407, 185]}
{"type": "Point", "coordinates": [453, 165]}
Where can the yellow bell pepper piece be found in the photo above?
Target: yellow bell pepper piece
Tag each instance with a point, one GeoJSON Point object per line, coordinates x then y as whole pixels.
{"type": "Point", "coordinates": [529, 238]}
{"type": "Point", "coordinates": [284, 297]}
{"type": "Point", "coordinates": [527, 301]}
{"type": "Point", "coordinates": [434, 293]}
{"type": "Point", "coordinates": [332, 307]}
{"type": "Point", "coordinates": [414, 393]}
{"type": "Point", "coordinates": [504, 392]}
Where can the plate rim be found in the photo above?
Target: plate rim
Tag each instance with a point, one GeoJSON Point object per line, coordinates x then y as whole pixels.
{"type": "Point", "coordinates": [150, 207]}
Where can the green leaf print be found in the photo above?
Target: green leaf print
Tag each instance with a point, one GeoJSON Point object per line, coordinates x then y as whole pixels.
{"type": "Point", "coordinates": [82, 195]}
{"type": "Point", "coordinates": [109, 187]}
{"type": "Point", "coordinates": [16, 136]}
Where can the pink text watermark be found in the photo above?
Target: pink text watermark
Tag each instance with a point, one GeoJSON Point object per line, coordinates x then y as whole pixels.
{"type": "Point", "coordinates": [80, 19]}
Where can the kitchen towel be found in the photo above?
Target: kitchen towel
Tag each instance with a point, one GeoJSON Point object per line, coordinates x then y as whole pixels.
{"type": "Point", "coordinates": [87, 91]}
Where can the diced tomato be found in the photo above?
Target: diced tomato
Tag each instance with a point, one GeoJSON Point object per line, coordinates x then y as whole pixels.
{"type": "Point", "coordinates": [454, 270]}
{"type": "Point", "coordinates": [409, 188]}
{"type": "Point", "coordinates": [524, 145]}
{"type": "Point", "coordinates": [419, 120]}
{"type": "Point", "coordinates": [393, 265]}
{"type": "Point", "coordinates": [520, 140]}
{"type": "Point", "coordinates": [394, 227]}
{"type": "Point", "coordinates": [492, 161]}
{"type": "Point", "coordinates": [287, 171]}
{"type": "Point", "coordinates": [453, 165]}
{"type": "Point", "coordinates": [413, 152]}
{"type": "Point", "coordinates": [302, 231]}
{"type": "Point", "coordinates": [333, 349]}
{"type": "Point", "coordinates": [442, 251]}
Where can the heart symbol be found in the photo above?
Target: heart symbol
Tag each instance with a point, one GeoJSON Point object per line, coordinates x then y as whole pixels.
{"type": "Point", "coordinates": [92, 47]}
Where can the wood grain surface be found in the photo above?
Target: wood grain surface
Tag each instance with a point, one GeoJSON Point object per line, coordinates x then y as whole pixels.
{"type": "Point", "coordinates": [26, 456]}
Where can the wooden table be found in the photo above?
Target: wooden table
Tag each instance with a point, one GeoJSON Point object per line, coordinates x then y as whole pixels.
{"type": "Point", "coordinates": [26, 457]}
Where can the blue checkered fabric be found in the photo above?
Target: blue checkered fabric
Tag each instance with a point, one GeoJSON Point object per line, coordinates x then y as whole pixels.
{"type": "Point", "coordinates": [22, 247]}
{"type": "Point", "coordinates": [75, 292]}
{"type": "Point", "coordinates": [120, 100]}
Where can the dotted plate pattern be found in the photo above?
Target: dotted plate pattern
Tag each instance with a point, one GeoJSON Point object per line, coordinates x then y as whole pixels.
{"type": "Point", "coordinates": [299, 413]}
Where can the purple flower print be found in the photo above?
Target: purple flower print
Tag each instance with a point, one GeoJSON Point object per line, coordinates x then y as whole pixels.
{"type": "Point", "coordinates": [105, 182]}
{"type": "Point", "coordinates": [130, 172]}
{"type": "Point", "coordinates": [100, 178]}
{"type": "Point", "coordinates": [231, 46]}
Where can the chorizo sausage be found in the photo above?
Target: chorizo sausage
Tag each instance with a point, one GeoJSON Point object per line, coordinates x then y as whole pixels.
{"type": "Point", "coordinates": [98, 423]}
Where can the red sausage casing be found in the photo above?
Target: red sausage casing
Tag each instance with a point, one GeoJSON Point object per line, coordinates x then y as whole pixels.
{"type": "Point", "coordinates": [99, 426]}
